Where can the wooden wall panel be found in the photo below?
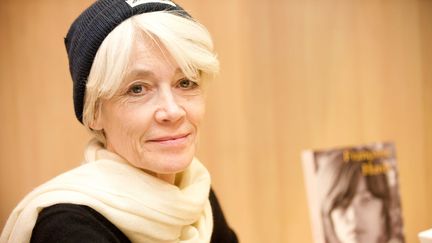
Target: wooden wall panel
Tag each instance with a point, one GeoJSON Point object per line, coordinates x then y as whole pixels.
{"type": "Point", "coordinates": [425, 18]}
{"type": "Point", "coordinates": [295, 75]}
{"type": "Point", "coordinates": [39, 134]}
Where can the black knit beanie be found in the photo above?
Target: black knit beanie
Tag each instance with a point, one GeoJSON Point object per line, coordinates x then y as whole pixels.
{"type": "Point", "coordinates": [89, 30]}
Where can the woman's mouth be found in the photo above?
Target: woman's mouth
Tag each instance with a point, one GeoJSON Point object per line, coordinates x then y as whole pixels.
{"type": "Point", "coordinates": [171, 139]}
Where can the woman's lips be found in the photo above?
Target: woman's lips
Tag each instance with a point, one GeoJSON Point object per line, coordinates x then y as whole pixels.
{"type": "Point", "coordinates": [170, 140]}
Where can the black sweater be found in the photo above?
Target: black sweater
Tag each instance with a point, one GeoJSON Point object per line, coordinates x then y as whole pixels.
{"type": "Point", "coordinates": [72, 223]}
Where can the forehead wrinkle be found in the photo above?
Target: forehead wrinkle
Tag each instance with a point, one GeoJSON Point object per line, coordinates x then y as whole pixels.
{"type": "Point", "coordinates": [141, 72]}
{"type": "Point", "coordinates": [145, 72]}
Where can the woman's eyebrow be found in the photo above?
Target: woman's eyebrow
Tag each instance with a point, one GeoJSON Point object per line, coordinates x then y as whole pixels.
{"type": "Point", "coordinates": [137, 72]}
{"type": "Point", "coordinates": [133, 75]}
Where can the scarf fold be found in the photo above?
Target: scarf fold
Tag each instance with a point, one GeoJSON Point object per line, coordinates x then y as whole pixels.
{"type": "Point", "coordinates": [127, 197]}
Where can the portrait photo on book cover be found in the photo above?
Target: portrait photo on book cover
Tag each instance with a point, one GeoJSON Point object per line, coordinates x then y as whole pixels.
{"type": "Point", "coordinates": [354, 194]}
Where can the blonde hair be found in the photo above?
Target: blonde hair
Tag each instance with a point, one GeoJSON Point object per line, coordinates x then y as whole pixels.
{"type": "Point", "coordinates": [187, 41]}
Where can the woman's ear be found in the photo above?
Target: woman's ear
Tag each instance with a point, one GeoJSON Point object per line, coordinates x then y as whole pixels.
{"type": "Point", "coordinates": [97, 123]}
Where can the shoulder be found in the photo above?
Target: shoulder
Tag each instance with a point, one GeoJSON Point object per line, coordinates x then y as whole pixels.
{"type": "Point", "coordinates": [74, 223]}
{"type": "Point", "coordinates": [222, 233]}
{"type": "Point", "coordinates": [78, 223]}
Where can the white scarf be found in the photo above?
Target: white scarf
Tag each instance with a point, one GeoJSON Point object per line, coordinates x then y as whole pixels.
{"type": "Point", "coordinates": [143, 207]}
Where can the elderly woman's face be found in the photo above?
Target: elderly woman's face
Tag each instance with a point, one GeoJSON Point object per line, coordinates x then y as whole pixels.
{"type": "Point", "coordinates": [152, 121]}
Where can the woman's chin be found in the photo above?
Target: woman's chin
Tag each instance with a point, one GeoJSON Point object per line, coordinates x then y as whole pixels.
{"type": "Point", "coordinates": [174, 165]}
{"type": "Point", "coordinates": [166, 163]}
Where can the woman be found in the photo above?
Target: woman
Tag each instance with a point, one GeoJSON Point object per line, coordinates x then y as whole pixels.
{"type": "Point", "coordinates": [139, 70]}
{"type": "Point", "coordinates": [354, 205]}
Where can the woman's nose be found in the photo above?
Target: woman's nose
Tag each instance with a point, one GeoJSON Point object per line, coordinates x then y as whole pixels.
{"type": "Point", "coordinates": [169, 110]}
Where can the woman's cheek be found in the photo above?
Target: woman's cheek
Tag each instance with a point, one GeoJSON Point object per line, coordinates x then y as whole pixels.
{"type": "Point", "coordinates": [194, 107]}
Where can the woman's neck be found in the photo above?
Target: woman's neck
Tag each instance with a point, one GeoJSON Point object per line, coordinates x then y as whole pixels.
{"type": "Point", "coordinates": [170, 178]}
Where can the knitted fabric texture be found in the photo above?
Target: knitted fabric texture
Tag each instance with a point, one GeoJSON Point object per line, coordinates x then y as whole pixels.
{"type": "Point", "coordinates": [89, 30]}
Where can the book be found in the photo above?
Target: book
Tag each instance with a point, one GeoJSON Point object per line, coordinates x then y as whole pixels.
{"type": "Point", "coordinates": [425, 236]}
{"type": "Point", "coordinates": [353, 194]}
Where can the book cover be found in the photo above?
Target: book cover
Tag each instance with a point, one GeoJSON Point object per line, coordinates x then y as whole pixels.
{"type": "Point", "coordinates": [353, 194]}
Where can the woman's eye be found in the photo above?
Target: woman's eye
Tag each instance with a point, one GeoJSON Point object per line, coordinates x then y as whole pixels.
{"type": "Point", "coordinates": [136, 89]}
{"type": "Point", "coordinates": [187, 84]}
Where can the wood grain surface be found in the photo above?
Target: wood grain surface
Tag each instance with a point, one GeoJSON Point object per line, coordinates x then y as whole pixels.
{"type": "Point", "coordinates": [295, 74]}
